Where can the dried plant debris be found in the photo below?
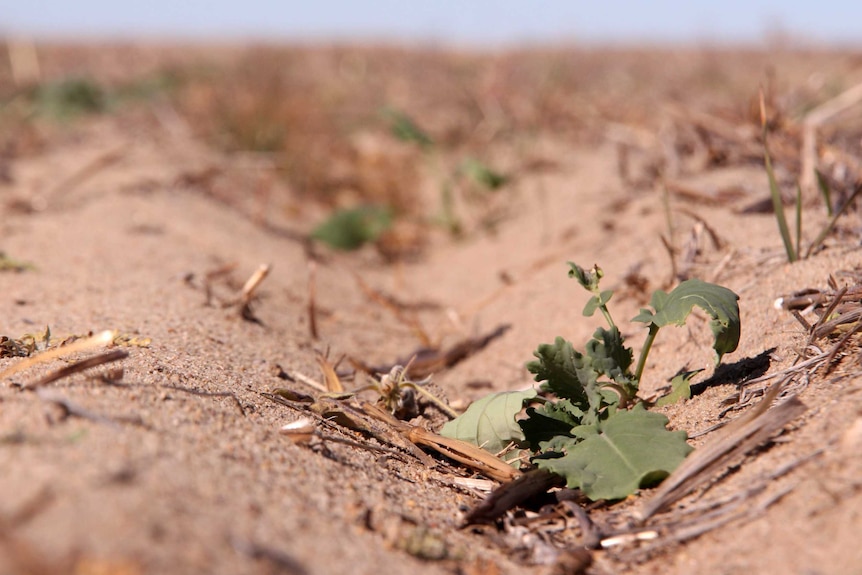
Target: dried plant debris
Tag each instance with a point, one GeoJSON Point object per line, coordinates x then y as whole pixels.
{"type": "Point", "coordinates": [25, 345]}
{"type": "Point", "coordinates": [79, 366]}
{"type": "Point", "coordinates": [658, 522]}
{"type": "Point", "coordinates": [221, 279]}
{"type": "Point", "coordinates": [828, 314]}
{"type": "Point", "coordinates": [743, 435]}
{"type": "Point", "coordinates": [345, 414]}
{"type": "Point", "coordinates": [29, 344]}
{"type": "Point", "coordinates": [8, 264]}
{"type": "Point", "coordinates": [427, 361]}
{"type": "Point", "coordinates": [67, 347]}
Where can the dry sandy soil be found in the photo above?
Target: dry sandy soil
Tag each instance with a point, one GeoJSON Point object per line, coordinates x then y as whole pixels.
{"type": "Point", "coordinates": [177, 465]}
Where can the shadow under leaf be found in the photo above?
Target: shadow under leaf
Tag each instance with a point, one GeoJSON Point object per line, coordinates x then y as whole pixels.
{"type": "Point", "coordinates": [736, 373]}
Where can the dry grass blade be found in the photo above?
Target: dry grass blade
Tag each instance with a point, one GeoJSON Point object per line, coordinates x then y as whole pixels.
{"type": "Point", "coordinates": [695, 520]}
{"type": "Point", "coordinates": [455, 449]}
{"type": "Point", "coordinates": [84, 364]}
{"type": "Point", "coordinates": [425, 362]}
{"type": "Point", "coordinates": [253, 282]}
{"type": "Point", "coordinates": [246, 294]}
{"type": "Point", "coordinates": [312, 298]}
{"type": "Point", "coordinates": [92, 342]}
{"type": "Point", "coordinates": [330, 377]}
{"type": "Point", "coordinates": [465, 453]}
{"type": "Point", "coordinates": [743, 435]}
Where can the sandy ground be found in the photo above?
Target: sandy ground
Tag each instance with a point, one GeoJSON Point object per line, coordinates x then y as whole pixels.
{"type": "Point", "coordinates": [163, 478]}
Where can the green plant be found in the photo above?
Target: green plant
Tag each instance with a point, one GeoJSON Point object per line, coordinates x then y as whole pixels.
{"type": "Point", "coordinates": [794, 252]}
{"type": "Point", "coordinates": [350, 229]}
{"type": "Point", "coordinates": [70, 98]}
{"type": "Point", "coordinates": [483, 175]}
{"type": "Point", "coordinates": [472, 178]}
{"type": "Point", "coordinates": [588, 425]}
{"type": "Point", "coordinates": [404, 128]}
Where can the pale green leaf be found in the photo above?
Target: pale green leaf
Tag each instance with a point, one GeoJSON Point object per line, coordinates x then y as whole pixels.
{"type": "Point", "coordinates": [631, 450]}
{"type": "Point", "coordinates": [490, 422]}
{"type": "Point", "coordinates": [680, 389]}
{"type": "Point", "coordinates": [597, 301]}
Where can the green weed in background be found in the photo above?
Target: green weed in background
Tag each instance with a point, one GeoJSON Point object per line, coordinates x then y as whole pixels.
{"type": "Point", "coordinates": [791, 248]}
{"type": "Point", "coordinates": [350, 229]}
{"type": "Point", "coordinates": [479, 176]}
{"type": "Point", "coordinates": [74, 97]}
{"type": "Point", "coordinates": [70, 98]}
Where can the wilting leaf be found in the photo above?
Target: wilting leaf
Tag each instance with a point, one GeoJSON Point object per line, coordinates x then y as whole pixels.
{"type": "Point", "coordinates": [490, 422]}
{"type": "Point", "coordinates": [631, 450]}
{"type": "Point", "coordinates": [350, 229]}
{"type": "Point", "coordinates": [588, 279]}
{"type": "Point", "coordinates": [717, 301]}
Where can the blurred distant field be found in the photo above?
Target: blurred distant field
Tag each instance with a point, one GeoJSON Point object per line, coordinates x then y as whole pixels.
{"type": "Point", "coordinates": [433, 135]}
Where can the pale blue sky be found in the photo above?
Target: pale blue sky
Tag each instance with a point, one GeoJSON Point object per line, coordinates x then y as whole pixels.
{"type": "Point", "coordinates": [471, 22]}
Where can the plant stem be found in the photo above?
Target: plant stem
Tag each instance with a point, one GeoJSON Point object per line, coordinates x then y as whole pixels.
{"type": "Point", "coordinates": [607, 315]}
{"type": "Point", "coordinates": [775, 192]}
{"type": "Point", "coordinates": [653, 330]}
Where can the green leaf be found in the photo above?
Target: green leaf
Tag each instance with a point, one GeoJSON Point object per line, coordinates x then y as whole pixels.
{"type": "Point", "coordinates": [680, 388]}
{"type": "Point", "coordinates": [631, 450]}
{"type": "Point", "coordinates": [548, 421]}
{"type": "Point", "coordinates": [717, 301]}
{"type": "Point", "coordinates": [609, 356]}
{"type": "Point", "coordinates": [350, 229]}
{"type": "Point", "coordinates": [597, 301]}
{"type": "Point", "coordinates": [562, 368]}
{"type": "Point", "coordinates": [490, 422]}
{"type": "Point", "coordinates": [483, 175]}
